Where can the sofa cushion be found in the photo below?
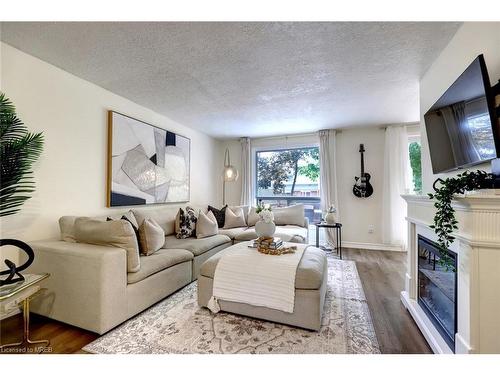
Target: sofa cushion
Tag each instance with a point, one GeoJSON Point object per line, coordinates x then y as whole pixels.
{"type": "Point", "coordinates": [288, 233]}
{"type": "Point", "coordinates": [235, 218]}
{"type": "Point", "coordinates": [164, 216]}
{"type": "Point", "coordinates": [246, 210]}
{"type": "Point", "coordinates": [151, 237]}
{"type": "Point", "coordinates": [185, 223]}
{"type": "Point", "coordinates": [253, 217]}
{"type": "Point", "coordinates": [310, 271]}
{"type": "Point", "coordinates": [157, 262]}
{"type": "Point", "coordinates": [220, 215]}
{"type": "Point", "coordinates": [67, 227]}
{"type": "Point", "coordinates": [233, 232]}
{"type": "Point", "coordinates": [291, 233]}
{"type": "Point", "coordinates": [206, 225]}
{"type": "Point", "coordinates": [291, 215]}
{"type": "Point", "coordinates": [117, 233]}
{"type": "Point", "coordinates": [196, 246]}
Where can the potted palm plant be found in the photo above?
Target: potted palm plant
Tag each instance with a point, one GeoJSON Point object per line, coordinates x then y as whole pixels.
{"type": "Point", "coordinates": [19, 150]}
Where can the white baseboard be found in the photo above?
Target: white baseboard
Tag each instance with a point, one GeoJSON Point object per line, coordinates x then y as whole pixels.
{"type": "Point", "coordinates": [372, 246]}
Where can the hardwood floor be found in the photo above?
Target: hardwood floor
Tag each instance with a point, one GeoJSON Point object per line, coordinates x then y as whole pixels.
{"type": "Point", "coordinates": [64, 339]}
{"type": "Point", "coordinates": [382, 276]}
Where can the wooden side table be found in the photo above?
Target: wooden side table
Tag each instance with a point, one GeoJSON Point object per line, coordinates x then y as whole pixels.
{"type": "Point", "coordinates": [338, 237]}
{"type": "Point", "coordinates": [22, 293]}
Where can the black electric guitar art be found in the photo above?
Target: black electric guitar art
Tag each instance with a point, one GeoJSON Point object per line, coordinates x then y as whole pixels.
{"type": "Point", "coordinates": [362, 188]}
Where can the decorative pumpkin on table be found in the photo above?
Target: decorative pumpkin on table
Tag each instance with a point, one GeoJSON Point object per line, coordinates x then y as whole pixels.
{"type": "Point", "coordinates": [19, 150]}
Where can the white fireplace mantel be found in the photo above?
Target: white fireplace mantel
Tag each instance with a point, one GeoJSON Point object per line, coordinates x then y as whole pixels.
{"type": "Point", "coordinates": [477, 244]}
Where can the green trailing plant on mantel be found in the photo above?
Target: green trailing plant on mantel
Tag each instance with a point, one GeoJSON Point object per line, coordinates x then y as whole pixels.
{"type": "Point", "coordinates": [19, 150]}
{"type": "Point", "coordinates": [444, 220]}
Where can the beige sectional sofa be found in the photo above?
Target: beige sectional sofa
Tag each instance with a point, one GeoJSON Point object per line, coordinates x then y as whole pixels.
{"type": "Point", "coordinates": [90, 287]}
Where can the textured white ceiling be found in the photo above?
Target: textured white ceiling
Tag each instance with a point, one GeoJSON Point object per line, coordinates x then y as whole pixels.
{"type": "Point", "coordinates": [249, 79]}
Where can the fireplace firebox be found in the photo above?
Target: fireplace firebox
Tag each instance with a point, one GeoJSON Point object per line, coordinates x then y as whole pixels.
{"type": "Point", "coordinates": [437, 289]}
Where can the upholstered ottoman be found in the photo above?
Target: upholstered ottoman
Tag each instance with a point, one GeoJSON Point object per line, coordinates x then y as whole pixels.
{"type": "Point", "coordinates": [310, 290]}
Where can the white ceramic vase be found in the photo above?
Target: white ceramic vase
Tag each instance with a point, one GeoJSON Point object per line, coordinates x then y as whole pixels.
{"type": "Point", "coordinates": [330, 217]}
{"type": "Point", "coordinates": [263, 229]}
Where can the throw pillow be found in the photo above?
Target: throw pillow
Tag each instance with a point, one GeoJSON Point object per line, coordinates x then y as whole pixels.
{"type": "Point", "coordinates": [206, 225]}
{"type": "Point", "coordinates": [151, 237]}
{"type": "Point", "coordinates": [253, 217]}
{"type": "Point", "coordinates": [67, 227]}
{"type": "Point", "coordinates": [129, 217]}
{"type": "Point", "coordinates": [291, 215]}
{"type": "Point", "coordinates": [246, 210]}
{"type": "Point", "coordinates": [234, 218]}
{"type": "Point", "coordinates": [163, 215]}
{"type": "Point", "coordinates": [220, 215]}
{"type": "Point", "coordinates": [187, 223]}
{"type": "Point", "coordinates": [117, 233]}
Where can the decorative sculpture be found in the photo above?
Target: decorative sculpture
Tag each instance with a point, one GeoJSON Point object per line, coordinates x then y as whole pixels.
{"type": "Point", "coordinates": [13, 269]}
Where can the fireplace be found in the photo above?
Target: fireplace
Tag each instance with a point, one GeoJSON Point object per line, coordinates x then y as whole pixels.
{"type": "Point", "coordinates": [437, 289]}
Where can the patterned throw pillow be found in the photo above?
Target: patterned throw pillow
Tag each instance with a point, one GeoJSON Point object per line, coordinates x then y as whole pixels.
{"type": "Point", "coordinates": [220, 215]}
{"type": "Point", "coordinates": [187, 223]}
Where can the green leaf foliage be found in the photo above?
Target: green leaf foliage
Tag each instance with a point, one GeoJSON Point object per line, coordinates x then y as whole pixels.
{"type": "Point", "coordinates": [284, 165]}
{"type": "Point", "coordinates": [416, 165]}
{"type": "Point", "coordinates": [444, 220]}
{"type": "Point", "coordinates": [19, 150]}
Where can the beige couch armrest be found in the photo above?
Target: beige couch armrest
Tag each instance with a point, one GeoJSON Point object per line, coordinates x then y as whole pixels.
{"type": "Point", "coordinates": [87, 283]}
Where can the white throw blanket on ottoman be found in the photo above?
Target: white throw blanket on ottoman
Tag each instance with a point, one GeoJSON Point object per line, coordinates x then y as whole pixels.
{"type": "Point", "coordinates": [244, 275]}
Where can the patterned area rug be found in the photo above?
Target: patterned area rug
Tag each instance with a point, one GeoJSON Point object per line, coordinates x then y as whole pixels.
{"type": "Point", "coordinates": [178, 325]}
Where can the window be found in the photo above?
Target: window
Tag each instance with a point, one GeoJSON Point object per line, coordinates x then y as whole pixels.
{"type": "Point", "coordinates": [415, 163]}
{"type": "Point", "coordinates": [480, 133]}
{"type": "Point", "coordinates": [289, 176]}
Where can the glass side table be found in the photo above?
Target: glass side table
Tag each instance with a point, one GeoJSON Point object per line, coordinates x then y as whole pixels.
{"type": "Point", "coordinates": [21, 293]}
{"type": "Point", "coordinates": [338, 237]}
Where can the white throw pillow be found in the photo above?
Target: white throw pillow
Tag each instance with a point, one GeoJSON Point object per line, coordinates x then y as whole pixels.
{"type": "Point", "coordinates": [206, 225]}
{"type": "Point", "coordinates": [235, 217]}
{"type": "Point", "coordinates": [291, 215]}
{"type": "Point", "coordinates": [246, 209]}
{"type": "Point", "coordinates": [67, 226]}
{"type": "Point", "coordinates": [253, 217]}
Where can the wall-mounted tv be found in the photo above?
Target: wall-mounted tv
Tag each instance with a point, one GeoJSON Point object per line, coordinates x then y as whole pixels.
{"type": "Point", "coordinates": [461, 127]}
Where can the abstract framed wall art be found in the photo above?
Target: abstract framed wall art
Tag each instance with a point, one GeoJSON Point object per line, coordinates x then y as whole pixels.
{"type": "Point", "coordinates": [146, 164]}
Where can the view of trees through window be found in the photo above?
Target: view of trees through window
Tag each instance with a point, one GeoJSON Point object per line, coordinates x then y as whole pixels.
{"type": "Point", "coordinates": [414, 151]}
{"type": "Point", "coordinates": [290, 176]}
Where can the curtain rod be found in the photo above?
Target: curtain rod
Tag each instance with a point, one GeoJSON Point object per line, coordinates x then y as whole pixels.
{"type": "Point", "coordinates": [286, 136]}
{"type": "Point", "coordinates": [414, 123]}
{"type": "Point", "coordinates": [338, 130]}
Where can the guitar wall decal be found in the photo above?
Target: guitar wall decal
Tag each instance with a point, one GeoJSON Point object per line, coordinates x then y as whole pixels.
{"type": "Point", "coordinates": [362, 188]}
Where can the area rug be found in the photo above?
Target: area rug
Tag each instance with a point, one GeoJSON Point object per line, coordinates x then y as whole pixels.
{"type": "Point", "coordinates": [178, 325]}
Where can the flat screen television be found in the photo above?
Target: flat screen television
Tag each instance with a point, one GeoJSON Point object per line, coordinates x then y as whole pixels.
{"type": "Point", "coordinates": [461, 127]}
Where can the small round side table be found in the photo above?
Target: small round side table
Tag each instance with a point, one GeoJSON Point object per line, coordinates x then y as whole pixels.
{"type": "Point", "coordinates": [338, 237]}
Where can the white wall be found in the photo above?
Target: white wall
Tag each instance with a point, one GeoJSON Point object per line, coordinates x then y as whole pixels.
{"type": "Point", "coordinates": [472, 39]}
{"type": "Point", "coordinates": [71, 174]}
{"type": "Point", "coordinates": [356, 214]}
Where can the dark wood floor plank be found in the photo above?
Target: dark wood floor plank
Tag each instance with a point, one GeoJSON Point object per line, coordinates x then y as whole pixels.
{"type": "Point", "coordinates": [382, 276]}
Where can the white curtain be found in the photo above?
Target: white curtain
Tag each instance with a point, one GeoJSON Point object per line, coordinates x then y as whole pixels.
{"type": "Point", "coordinates": [328, 175]}
{"type": "Point", "coordinates": [396, 182]}
{"type": "Point", "coordinates": [246, 173]}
